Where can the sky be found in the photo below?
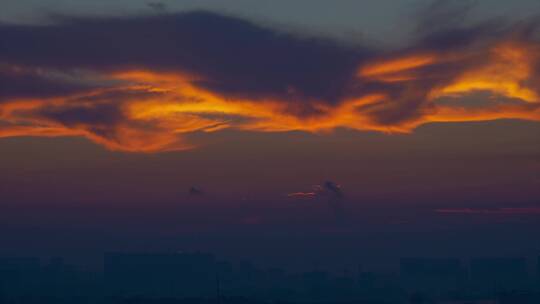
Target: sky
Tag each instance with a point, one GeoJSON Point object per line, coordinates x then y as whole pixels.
{"type": "Point", "coordinates": [293, 133]}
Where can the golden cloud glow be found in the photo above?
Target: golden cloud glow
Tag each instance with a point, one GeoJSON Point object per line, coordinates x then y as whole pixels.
{"type": "Point", "coordinates": [169, 105]}
{"type": "Point", "coordinates": [396, 69]}
{"type": "Point", "coordinates": [506, 74]}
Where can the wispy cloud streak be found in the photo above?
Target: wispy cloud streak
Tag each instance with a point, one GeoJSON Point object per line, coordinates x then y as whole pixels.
{"type": "Point", "coordinates": [494, 211]}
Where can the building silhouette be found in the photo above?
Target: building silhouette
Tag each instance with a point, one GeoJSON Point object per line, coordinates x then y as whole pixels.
{"type": "Point", "coordinates": [160, 274]}
{"type": "Point", "coordinates": [432, 276]}
{"type": "Point", "coordinates": [19, 276]}
{"type": "Point", "coordinates": [200, 278]}
{"type": "Point", "coordinates": [499, 274]}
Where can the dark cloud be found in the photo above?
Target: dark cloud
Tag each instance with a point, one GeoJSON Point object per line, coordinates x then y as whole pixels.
{"type": "Point", "coordinates": [72, 115]}
{"type": "Point", "coordinates": [29, 84]}
{"type": "Point", "coordinates": [335, 199]}
{"type": "Point", "coordinates": [333, 188]}
{"type": "Point", "coordinates": [195, 191]}
{"type": "Point", "coordinates": [232, 56]}
{"type": "Point", "coordinates": [462, 37]}
{"type": "Point", "coordinates": [444, 25]}
{"type": "Point", "coordinates": [443, 14]}
{"type": "Point", "coordinates": [157, 6]}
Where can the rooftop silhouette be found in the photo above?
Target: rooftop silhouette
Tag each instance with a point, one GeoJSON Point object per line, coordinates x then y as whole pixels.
{"type": "Point", "coordinates": [196, 277]}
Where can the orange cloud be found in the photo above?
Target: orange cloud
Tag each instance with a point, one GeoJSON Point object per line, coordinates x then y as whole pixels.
{"type": "Point", "coordinates": [141, 109]}
{"type": "Point", "coordinates": [397, 69]}
{"type": "Point", "coordinates": [509, 68]}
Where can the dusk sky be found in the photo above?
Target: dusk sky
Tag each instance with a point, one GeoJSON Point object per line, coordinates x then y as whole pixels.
{"type": "Point", "coordinates": [293, 133]}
